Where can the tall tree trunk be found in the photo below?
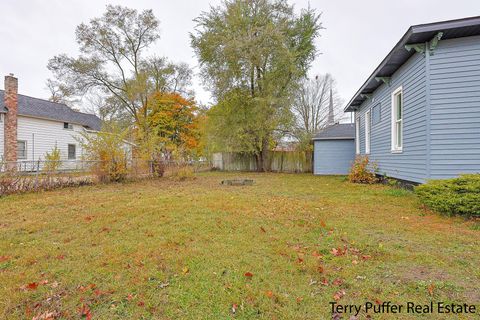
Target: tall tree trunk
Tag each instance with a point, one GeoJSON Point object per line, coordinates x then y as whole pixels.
{"type": "Point", "coordinates": [259, 160]}
{"type": "Point", "coordinates": [261, 157]}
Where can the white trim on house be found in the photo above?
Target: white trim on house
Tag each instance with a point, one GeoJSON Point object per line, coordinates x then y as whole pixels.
{"type": "Point", "coordinates": [357, 133]}
{"type": "Point", "coordinates": [397, 122]}
{"type": "Point", "coordinates": [368, 130]}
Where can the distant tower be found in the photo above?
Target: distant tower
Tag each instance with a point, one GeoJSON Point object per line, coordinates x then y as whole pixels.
{"type": "Point", "coordinates": [331, 118]}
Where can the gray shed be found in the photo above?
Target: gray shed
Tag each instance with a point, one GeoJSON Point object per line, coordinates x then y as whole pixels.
{"type": "Point", "coordinates": [334, 149]}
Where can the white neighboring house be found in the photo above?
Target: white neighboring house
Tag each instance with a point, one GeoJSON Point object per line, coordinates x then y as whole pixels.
{"type": "Point", "coordinates": [37, 126]}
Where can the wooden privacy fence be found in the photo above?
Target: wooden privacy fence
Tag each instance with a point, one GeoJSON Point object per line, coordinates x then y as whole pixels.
{"type": "Point", "coordinates": [277, 161]}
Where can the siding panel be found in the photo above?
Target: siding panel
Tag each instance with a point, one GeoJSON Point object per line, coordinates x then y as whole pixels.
{"type": "Point", "coordinates": [43, 135]}
{"type": "Point", "coordinates": [333, 156]}
{"type": "Point", "coordinates": [455, 108]}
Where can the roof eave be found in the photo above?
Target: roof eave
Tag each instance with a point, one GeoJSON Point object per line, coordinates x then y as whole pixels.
{"type": "Point", "coordinates": [354, 103]}
{"type": "Point", "coordinates": [333, 138]}
{"type": "Point", "coordinates": [400, 45]}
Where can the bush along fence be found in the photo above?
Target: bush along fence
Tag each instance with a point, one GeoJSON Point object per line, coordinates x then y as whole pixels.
{"type": "Point", "coordinates": [277, 161]}
{"type": "Point", "coordinates": [28, 176]}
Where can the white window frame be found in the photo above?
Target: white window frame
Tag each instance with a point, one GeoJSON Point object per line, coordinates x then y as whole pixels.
{"type": "Point", "coordinates": [26, 150]}
{"type": "Point", "coordinates": [75, 151]}
{"type": "Point", "coordinates": [357, 133]}
{"type": "Point", "coordinates": [395, 147]}
{"type": "Point", "coordinates": [368, 130]}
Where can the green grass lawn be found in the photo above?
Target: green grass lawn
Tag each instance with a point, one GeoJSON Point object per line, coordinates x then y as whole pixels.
{"type": "Point", "coordinates": [165, 249]}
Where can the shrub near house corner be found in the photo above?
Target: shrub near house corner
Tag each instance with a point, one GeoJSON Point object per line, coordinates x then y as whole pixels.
{"type": "Point", "coordinates": [361, 171]}
{"type": "Point", "coordinates": [452, 196]}
{"type": "Point", "coordinates": [52, 160]}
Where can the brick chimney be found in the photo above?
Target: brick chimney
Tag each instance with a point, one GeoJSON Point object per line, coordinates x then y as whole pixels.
{"type": "Point", "coordinates": [10, 125]}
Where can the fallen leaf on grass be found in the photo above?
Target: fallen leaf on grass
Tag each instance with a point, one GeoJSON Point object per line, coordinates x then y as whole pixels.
{"type": "Point", "coordinates": [354, 262]}
{"type": "Point", "coordinates": [324, 282]}
{"type": "Point", "coordinates": [30, 286]}
{"type": "Point", "coordinates": [336, 316]}
{"type": "Point", "coordinates": [366, 257]}
{"type": "Point", "coordinates": [60, 257]}
{"type": "Point", "coordinates": [248, 274]}
{"type": "Point", "coordinates": [4, 258]}
{"type": "Point", "coordinates": [140, 303]}
{"type": "Point", "coordinates": [47, 315]}
{"type": "Point", "coordinates": [430, 289]}
{"type": "Point", "coordinates": [269, 294]}
{"type": "Point", "coordinates": [234, 308]}
{"type": "Point", "coordinates": [85, 288]}
{"type": "Point", "coordinates": [185, 270]}
{"type": "Point", "coordinates": [339, 251]}
{"type": "Point", "coordinates": [337, 282]}
{"type": "Point", "coordinates": [85, 312]}
{"type": "Point", "coordinates": [320, 269]}
{"type": "Point", "coordinates": [339, 295]}
{"type": "Point", "coordinates": [316, 254]}
{"type": "Point", "coordinates": [299, 299]}
{"type": "Point", "coordinates": [263, 229]}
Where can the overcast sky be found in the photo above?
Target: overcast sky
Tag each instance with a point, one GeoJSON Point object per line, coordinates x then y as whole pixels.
{"type": "Point", "coordinates": [357, 34]}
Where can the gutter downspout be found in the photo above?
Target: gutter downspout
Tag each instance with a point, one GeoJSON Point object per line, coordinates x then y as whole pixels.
{"type": "Point", "coordinates": [428, 52]}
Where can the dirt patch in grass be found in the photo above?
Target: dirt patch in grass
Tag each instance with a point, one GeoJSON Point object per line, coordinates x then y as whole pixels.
{"type": "Point", "coordinates": [422, 273]}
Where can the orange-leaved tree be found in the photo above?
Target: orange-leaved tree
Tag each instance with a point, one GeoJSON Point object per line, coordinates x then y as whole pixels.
{"type": "Point", "coordinates": [172, 124]}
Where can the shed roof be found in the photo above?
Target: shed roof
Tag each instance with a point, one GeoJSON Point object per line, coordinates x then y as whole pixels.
{"type": "Point", "coordinates": [399, 54]}
{"type": "Point", "coordinates": [39, 108]}
{"type": "Point", "coordinates": [339, 131]}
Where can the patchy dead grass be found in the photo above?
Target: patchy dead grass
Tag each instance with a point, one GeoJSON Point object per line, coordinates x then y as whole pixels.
{"type": "Point", "coordinates": [194, 249]}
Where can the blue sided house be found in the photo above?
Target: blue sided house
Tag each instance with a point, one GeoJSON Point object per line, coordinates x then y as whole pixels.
{"type": "Point", "coordinates": [418, 115]}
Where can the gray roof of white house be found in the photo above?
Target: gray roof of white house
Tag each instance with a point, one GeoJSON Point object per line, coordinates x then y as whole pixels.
{"type": "Point", "coordinates": [399, 54]}
{"type": "Point", "coordinates": [339, 131]}
{"type": "Point", "coordinates": [39, 108]}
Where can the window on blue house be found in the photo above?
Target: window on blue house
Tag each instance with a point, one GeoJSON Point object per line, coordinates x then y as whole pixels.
{"type": "Point", "coordinates": [367, 131]}
{"type": "Point", "coordinates": [397, 120]}
{"type": "Point", "coordinates": [357, 134]}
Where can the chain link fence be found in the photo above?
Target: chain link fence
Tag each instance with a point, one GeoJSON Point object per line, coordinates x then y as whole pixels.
{"type": "Point", "coordinates": [24, 176]}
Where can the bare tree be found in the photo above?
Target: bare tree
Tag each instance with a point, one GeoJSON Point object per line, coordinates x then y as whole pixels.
{"type": "Point", "coordinates": [111, 51]}
{"type": "Point", "coordinates": [317, 105]}
{"type": "Point", "coordinates": [61, 94]}
{"type": "Point", "coordinates": [112, 74]}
